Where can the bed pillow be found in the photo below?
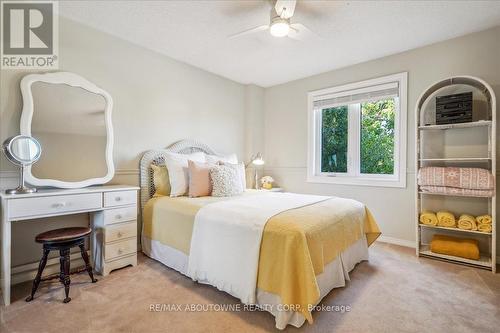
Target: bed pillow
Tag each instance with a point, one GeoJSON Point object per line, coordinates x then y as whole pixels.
{"type": "Point", "coordinates": [199, 179]}
{"type": "Point", "coordinates": [160, 180]}
{"type": "Point", "coordinates": [226, 180]}
{"type": "Point", "coordinates": [240, 168]}
{"type": "Point", "coordinates": [213, 159]}
{"type": "Point", "coordinates": [177, 165]}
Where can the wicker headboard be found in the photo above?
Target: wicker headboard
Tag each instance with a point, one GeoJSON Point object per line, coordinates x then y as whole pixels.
{"type": "Point", "coordinates": [158, 157]}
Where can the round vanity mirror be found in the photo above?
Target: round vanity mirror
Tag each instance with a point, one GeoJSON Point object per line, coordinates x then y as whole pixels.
{"type": "Point", "coordinates": [22, 150]}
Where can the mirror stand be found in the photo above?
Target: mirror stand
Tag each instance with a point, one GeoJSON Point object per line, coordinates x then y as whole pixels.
{"type": "Point", "coordinates": [21, 189]}
{"type": "Point", "coordinates": [22, 151]}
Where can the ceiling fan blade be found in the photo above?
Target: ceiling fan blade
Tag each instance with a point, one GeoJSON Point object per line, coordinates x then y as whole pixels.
{"type": "Point", "coordinates": [249, 31]}
{"type": "Point", "coordinates": [299, 31]}
{"type": "Point", "coordinates": [285, 8]}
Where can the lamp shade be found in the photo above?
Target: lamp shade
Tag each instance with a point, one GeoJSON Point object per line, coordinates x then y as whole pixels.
{"type": "Point", "coordinates": [257, 160]}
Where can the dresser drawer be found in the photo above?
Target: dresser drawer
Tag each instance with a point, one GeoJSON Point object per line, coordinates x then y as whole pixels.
{"type": "Point", "coordinates": [121, 248]}
{"type": "Point", "coordinates": [120, 231]}
{"type": "Point", "coordinates": [120, 198]}
{"type": "Point", "coordinates": [118, 215]}
{"type": "Point", "coordinates": [57, 205]}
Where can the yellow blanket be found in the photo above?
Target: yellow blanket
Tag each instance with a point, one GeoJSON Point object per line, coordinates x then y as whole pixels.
{"type": "Point", "coordinates": [467, 222]}
{"type": "Point", "coordinates": [458, 247]}
{"type": "Point", "coordinates": [446, 219]}
{"type": "Point", "coordinates": [484, 219]}
{"type": "Point", "coordinates": [312, 236]}
{"type": "Point", "coordinates": [428, 218]}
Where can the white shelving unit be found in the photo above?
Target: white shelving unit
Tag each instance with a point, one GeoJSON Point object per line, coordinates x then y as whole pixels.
{"type": "Point", "coordinates": [471, 144]}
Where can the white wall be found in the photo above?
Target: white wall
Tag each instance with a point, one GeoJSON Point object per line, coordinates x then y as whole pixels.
{"type": "Point", "coordinates": [285, 131]}
{"type": "Point", "coordinates": [157, 101]}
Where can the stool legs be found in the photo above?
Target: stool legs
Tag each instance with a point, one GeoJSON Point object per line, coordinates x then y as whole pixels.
{"type": "Point", "coordinates": [87, 262]}
{"type": "Point", "coordinates": [38, 277]}
{"type": "Point", "coordinates": [65, 260]}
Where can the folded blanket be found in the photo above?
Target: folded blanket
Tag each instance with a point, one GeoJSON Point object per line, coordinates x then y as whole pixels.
{"type": "Point", "coordinates": [457, 191]}
{"type": "Point", "coordinates": [458, 247]}
{"type": "Point", "coordinates": [467, 222]}
{"type": "Point", "coordinates": [446, 219]}
{"type": "Point", "coordinates": [484, 219]}
{"type": "Point", "coordinates": [469, 178]}
{"type": "Point", "coordinates": [484, 227]}
{"type": "Point", "coordinates": [428, 217]}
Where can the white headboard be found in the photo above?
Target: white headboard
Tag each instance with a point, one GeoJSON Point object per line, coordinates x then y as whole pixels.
{"type": "Point", "coordinates": [158, 157]}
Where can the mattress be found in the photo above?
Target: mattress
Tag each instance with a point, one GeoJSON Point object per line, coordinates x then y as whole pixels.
{"type": "Point", "coordinates": [313, 236]}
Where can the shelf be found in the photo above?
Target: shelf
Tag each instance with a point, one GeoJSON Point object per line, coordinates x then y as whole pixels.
{"type": "Point", "coordinates": [454, 195]}
{"type": "Point", "coordinates": [459, 125]}
{"type": "Point", "coordinates": [455, 229]}
{"type": "Point", "coordinates": [456, 159]}
{"type": "Point", "coordinates": [483, 261]}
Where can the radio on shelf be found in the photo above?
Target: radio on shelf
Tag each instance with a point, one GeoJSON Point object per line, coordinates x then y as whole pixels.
{"type": "Point", "coordinates": [453, 109]}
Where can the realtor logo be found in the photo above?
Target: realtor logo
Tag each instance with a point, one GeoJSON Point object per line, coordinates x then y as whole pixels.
{"type": "Point", "coordinates": [29, 35]}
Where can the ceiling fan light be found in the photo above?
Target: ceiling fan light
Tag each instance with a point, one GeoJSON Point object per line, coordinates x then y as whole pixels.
{"type": "Point", "coordinates": [279, 27]}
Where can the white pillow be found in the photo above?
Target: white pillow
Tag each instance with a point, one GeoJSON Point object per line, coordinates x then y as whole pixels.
{"type": "Point", "coordinates": [213, 159]}
{"type": "Point", "coordinates": [177, 165]}
{"type": "Point", "coordinates": [226, 180]}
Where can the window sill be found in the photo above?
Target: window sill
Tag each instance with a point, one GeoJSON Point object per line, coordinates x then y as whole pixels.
{"type": "Point", "coordinates": [365, 181]}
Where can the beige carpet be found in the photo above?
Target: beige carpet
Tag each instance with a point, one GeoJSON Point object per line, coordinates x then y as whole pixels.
{"type": "Point", "coordinates": [393, 292]}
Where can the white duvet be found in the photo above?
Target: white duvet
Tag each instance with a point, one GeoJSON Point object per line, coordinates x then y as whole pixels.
{"type": "Point", "coordinates": [225, 244]}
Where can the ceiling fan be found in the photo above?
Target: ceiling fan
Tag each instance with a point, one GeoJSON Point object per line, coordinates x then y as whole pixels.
{"type": "Point", "coordinates": [280, 25]}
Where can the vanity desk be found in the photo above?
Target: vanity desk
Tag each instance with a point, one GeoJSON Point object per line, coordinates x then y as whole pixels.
{"type": "Point", "coordinates": [113, 219]}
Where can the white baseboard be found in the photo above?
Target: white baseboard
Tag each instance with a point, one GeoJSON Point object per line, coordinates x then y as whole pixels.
{"type": "Point", "coordinates": [27, 272]}
{"type": "Point", "coordinates": [396, 241]}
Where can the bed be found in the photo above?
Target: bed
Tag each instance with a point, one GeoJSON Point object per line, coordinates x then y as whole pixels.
{"type": "Point", "coordinates": [305, 249]}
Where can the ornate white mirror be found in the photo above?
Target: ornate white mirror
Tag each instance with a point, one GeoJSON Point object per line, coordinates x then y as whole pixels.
{"type": "Point", "coordinates": [71, 118]}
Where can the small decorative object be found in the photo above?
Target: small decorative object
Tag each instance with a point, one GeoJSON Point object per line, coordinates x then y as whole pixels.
{"type": "Point", "coordinates": [267, 182]}
{"type": "Point", "coordinates": [22, 150]}
{"type": "Point", "coordinates": [256, 160]}
{"type": "Point", "coordinates": [455, 108]}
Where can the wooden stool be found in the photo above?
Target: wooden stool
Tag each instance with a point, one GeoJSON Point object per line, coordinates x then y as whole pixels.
{"type": "Point", "coordinates": [63, 240]}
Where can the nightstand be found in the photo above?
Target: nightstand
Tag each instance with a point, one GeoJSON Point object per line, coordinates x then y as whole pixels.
{"type": "Point", "coordinates": [274, 189]}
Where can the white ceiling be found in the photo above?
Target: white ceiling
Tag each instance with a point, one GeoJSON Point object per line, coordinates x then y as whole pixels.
{"type": "Point", "coordinates": [195, 32]}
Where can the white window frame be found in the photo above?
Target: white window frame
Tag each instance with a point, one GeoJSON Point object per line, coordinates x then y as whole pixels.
{"type": "Point", "coordinates": [353, 176]}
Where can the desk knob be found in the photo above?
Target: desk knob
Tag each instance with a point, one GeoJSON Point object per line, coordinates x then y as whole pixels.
{"type": "Point", "coordinates": [118, 217]}
{"type": "Point", "coordinates": [118, 198]}
{"type": "Point", "coordinates": [59, 204]}
{"type": "Point", "coordinates": [119, 234]}
{"type": "Point", "coordinates": [120, 251]}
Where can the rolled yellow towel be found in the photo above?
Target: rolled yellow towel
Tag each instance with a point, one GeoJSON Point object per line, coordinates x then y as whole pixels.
{"type": "Point", "coordinates": [486, 219]}
{"type": "Point", "coordinates": [428, 217]}
{"type": "Point", "coordinates": [458, 247]}
{"type": "Point", "coordinates": [484, 227]}
{"type": "Point", "coordinates": [467, 222]}
{"type": "Point", "coordinates": [446, 219]}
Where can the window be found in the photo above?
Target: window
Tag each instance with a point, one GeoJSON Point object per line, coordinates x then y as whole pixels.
{"type": "Point", "coordinates": [357, 133]}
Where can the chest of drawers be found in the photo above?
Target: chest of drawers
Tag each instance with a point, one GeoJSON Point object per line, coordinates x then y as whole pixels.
{"type": "Point", "coordinates": [115, 232]}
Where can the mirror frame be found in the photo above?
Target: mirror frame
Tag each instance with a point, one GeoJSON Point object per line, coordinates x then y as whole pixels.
{"type": "Point", "coordinates": [77, 81]}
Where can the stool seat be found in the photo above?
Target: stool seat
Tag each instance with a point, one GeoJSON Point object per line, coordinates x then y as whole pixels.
{"type": "Point", "coordinates": [63, 235]}
{"type": "Point", "coordinates": [62, 240]}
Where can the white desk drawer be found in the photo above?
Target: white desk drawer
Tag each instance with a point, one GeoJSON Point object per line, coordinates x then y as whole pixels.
{"type": "Point", "coordinates": [118, 215]}
{"type": "Point", "coordinates": [120, 198]}
{"type": "Point", "coordinates": [119, 249]}
{"type": "Point", "coordinates": [120, 231]}
{"type": "Point", "coordinates": [57, 205]}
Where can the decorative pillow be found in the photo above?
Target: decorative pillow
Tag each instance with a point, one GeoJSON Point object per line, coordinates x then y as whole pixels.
{"type": "Point", "coordinates": [160, 180]}
{"type": "Point", "coordinates": [177, 165]}
{"type": "Point", "coordinates": [240, 169]}
{"type": "Point", "coordinates": [213, 159]}
{"type": "Point", "coordinates": [226, 181]}
{"type": "Point", "coordinates": [199, 179]}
